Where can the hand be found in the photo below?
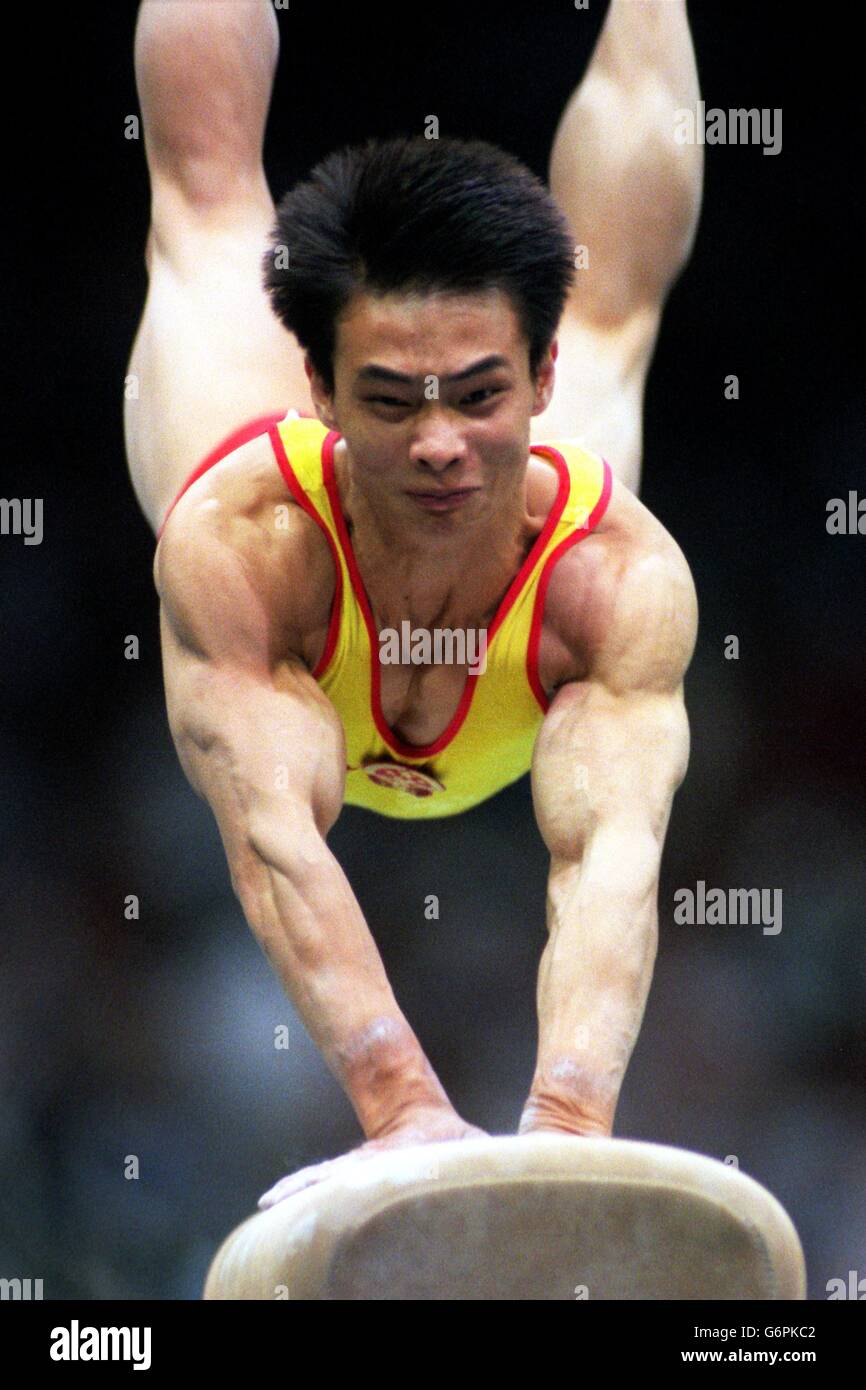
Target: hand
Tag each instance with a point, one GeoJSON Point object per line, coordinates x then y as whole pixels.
{"type": "Point", "coordinates": [428, 1124]}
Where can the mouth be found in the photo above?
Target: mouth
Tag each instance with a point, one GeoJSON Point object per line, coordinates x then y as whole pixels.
{"type": "Point", "coordinates": [442, 501]}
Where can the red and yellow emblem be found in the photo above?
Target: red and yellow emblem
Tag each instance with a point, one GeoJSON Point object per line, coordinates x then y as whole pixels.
{"type": "Point", "coordinates": [402, 778]}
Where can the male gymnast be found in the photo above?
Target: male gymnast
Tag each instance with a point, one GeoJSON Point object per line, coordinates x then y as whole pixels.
{"type": "Point", "coordinates": [362, 381]}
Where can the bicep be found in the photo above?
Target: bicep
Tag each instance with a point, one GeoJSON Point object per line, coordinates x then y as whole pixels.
{"type": "Point", "coordinates": [607, 763]}
{"type": "Point", "coordinates": [613, 748]}
{"type": "Point", "coordinates": [258, 747]}
{"type": "Point", "coordinates": [256, 737]}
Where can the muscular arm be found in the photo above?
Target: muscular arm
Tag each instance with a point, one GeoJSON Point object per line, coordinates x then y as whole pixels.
{"type": "Point", "coordinates": [610, 755]}
{"type": "Point", "coordinates": [262, 744]}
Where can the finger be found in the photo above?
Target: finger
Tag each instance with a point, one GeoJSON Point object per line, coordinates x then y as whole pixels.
{"type": "Point", "coordinates": [294, 1183]}
{"type": "Point", "coordinates": [280, 1191]}
{"type": "Point", "coordinates": [305, 1177]}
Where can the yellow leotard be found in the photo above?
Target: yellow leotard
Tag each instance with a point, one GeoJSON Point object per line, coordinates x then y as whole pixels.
{"type": "Point", "coordinates": [489, 742]}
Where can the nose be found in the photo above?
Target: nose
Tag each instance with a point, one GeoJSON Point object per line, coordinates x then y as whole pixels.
{"type": "Point", "coordinates": [438, 444]}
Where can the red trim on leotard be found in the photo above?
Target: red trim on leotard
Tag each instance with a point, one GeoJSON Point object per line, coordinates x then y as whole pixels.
{"type": "Point", "coordinates": [580, 534]}
{"type": "Point", "coordinates": [303, 500]}
{"type": "Point", "coordinates": [267, 424]}
{"type": "Point", "coordinates": [413, 750]}
{"type": "Point", "coordinates": [232, 441]}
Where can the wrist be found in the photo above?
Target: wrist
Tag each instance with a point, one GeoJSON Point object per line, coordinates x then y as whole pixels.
{"type": "Point", "coordinates": [387, 1076]}
{"type": "Point", "coordinates": [545, 1115]}
{"type": "Point", "coordinates": [572, 1099]}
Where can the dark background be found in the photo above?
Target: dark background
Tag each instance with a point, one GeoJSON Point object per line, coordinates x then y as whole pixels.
{"type": "Point", "coordinates": [155, 1037]}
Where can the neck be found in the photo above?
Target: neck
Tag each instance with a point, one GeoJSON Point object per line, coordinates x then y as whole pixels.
{"type": "Point", "coordinates": [435, 572]}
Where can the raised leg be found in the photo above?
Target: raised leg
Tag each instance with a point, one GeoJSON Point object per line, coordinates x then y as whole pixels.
{"type": "Point", "coordinates": [632, 197]}
{"type": "Point", "coordinates": [209, 353]}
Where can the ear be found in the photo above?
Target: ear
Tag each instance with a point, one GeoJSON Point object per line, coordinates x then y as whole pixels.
{"type": "Point", "coordinates": [545, 379]}
{"type": "Point", "coordinates": [322, 401]}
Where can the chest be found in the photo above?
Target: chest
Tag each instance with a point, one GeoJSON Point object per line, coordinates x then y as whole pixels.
{"type": "Point", "coordinates": [419, 700]}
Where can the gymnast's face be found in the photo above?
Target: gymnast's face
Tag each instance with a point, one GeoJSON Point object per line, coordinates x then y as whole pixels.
{"type": "Point", "coordinates": [434, 391]}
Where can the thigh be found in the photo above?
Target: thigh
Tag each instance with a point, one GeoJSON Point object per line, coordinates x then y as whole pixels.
{"type": "Point", "coordinates": [209, 353]}
{"type": "Point", "coordinates": [599, 391]}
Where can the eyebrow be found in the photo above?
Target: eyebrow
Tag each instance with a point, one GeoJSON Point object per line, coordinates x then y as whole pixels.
{"type": "Point", "coordinates": [373, 372]}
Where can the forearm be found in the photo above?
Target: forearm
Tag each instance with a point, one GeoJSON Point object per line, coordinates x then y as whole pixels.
{"type": "Point", "coordinates": [308, 922]}
{"type": "Point", "coordinates": [593, 982]}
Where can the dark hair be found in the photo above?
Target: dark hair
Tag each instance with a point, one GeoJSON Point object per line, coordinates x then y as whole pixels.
{"type": "Point", "coordinates": [410, 214]}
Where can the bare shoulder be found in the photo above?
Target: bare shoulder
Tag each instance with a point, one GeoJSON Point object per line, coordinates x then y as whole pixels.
{"type": "Point", "coordinates": [240, 561]}
{"type": "Point", "coordinates": [622, 602]}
